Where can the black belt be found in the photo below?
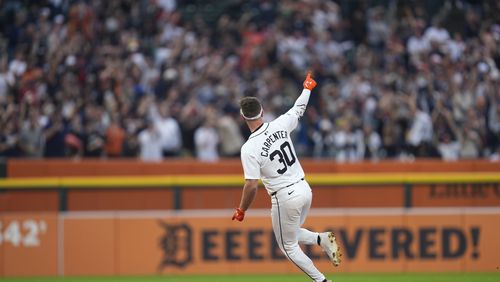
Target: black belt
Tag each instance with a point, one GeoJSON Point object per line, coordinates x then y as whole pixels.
{"type": "Point", "coordinates": [274, 193]}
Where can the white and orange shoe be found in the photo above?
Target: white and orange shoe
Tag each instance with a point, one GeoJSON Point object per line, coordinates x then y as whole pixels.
{"type": "Point", "coordinates": [330, 246]}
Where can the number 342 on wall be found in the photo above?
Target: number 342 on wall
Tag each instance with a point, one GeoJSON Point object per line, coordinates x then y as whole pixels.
{"type": "Point", "coordinates": [22, 233]}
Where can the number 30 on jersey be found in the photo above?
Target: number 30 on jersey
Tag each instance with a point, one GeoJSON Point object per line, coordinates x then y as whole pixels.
{"type": "Point", "coordinates": [284, 155]}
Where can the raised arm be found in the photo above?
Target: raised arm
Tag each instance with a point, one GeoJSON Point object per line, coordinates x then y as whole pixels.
{"type": "Point", "coordinates": [290, 118]}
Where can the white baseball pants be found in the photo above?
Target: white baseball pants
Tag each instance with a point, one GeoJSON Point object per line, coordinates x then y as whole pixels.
{"type": "Point", "coordinates": [289, 210]}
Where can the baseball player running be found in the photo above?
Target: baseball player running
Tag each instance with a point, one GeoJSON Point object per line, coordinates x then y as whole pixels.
{"type": "Point", "coordinates": [269, 155]}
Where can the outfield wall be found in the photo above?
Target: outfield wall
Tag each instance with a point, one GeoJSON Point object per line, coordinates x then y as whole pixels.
{"type": "Point", "coordinates": [163, 197]}
{"type": "Point", "coordinates": [202, 242]}
{"type": "Point", "coordinates": [107, 229]}
{"type": "Point", "coordinates": [125, 167]}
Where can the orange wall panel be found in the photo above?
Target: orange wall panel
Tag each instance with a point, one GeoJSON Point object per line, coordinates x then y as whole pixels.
{"type": "Point", "coordinates": [215, 197]}
{"type": "Point", "coordinates": [144, 256]}
{"type": "Point", "coordinates": [29, 201]}
{"type": "Point", "coordinates": [220, 198]}
{"type": "Point", "coordinates": [89, 246]}
{"type": "Point", "coordinates": [358, 196]}
{"type": "Point", "coordinates": [323, 197]}
{"type": "Point", "coordinates": [29, 244]}
{"type": "Point", "coordinates": [89, 167]}
{"type": "Point", "coordinates": [420, 165]}
{"type": "Point", "coordinates": [118, 199]}
{"type": "Point", "coordinates": [125, 167]}
{"type": "Point", "coordinates": [482, 229]}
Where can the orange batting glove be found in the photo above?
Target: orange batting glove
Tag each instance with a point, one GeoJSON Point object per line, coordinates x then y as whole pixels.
{"type": "Point", "coordinates": [309, 83]}
{"type": "Point", "coordinates": [239, 214]}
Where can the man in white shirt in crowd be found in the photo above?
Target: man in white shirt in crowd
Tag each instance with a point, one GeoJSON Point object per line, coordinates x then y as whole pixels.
{"type": "Point", "coordinates": [150, 143]}
{"type": "Point", "coordinates": [206, 140]}
{"type": "Point", "coordinates": [169, 130]}
{"type": "Point", "coordinates": [421, 130]}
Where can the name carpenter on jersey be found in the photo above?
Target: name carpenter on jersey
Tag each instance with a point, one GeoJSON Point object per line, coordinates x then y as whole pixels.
{"type": "Point", "coordinates": [271, 139]}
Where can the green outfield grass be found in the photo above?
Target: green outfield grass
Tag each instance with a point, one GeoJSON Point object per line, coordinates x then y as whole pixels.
{"type": "Point", "coordinates": [351, 277]}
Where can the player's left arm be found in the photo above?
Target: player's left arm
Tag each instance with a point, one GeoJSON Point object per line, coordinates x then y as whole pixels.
{"type": "Point", "coordinates": [293, 115]}
{"type": "Point", "coordinates": [247, 198]}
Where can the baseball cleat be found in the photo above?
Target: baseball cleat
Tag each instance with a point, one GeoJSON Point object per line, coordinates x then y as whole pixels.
{"type": "Point", "coordinates": [331, 248]}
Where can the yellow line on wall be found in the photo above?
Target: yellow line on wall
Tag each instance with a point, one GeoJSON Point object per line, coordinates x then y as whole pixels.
{"type": "Point", "coordinates": [237, 180]}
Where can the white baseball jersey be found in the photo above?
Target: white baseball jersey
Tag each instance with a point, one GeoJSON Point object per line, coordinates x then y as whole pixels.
{"type": "Point", "coordinates": [269, 154]}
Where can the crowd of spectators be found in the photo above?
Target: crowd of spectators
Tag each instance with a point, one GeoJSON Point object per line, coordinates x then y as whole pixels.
{"type": "Point", "coordinates": [163, 78]}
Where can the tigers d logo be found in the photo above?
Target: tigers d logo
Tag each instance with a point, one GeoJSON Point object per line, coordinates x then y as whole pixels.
{"type": "Point", "coordinates": [176, 245]}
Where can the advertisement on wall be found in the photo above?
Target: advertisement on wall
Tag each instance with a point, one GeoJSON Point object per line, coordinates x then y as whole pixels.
{"type": "Point", "coordinates": [457, 194]}
{"type": "Point", "coordinates": [208, 242]}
